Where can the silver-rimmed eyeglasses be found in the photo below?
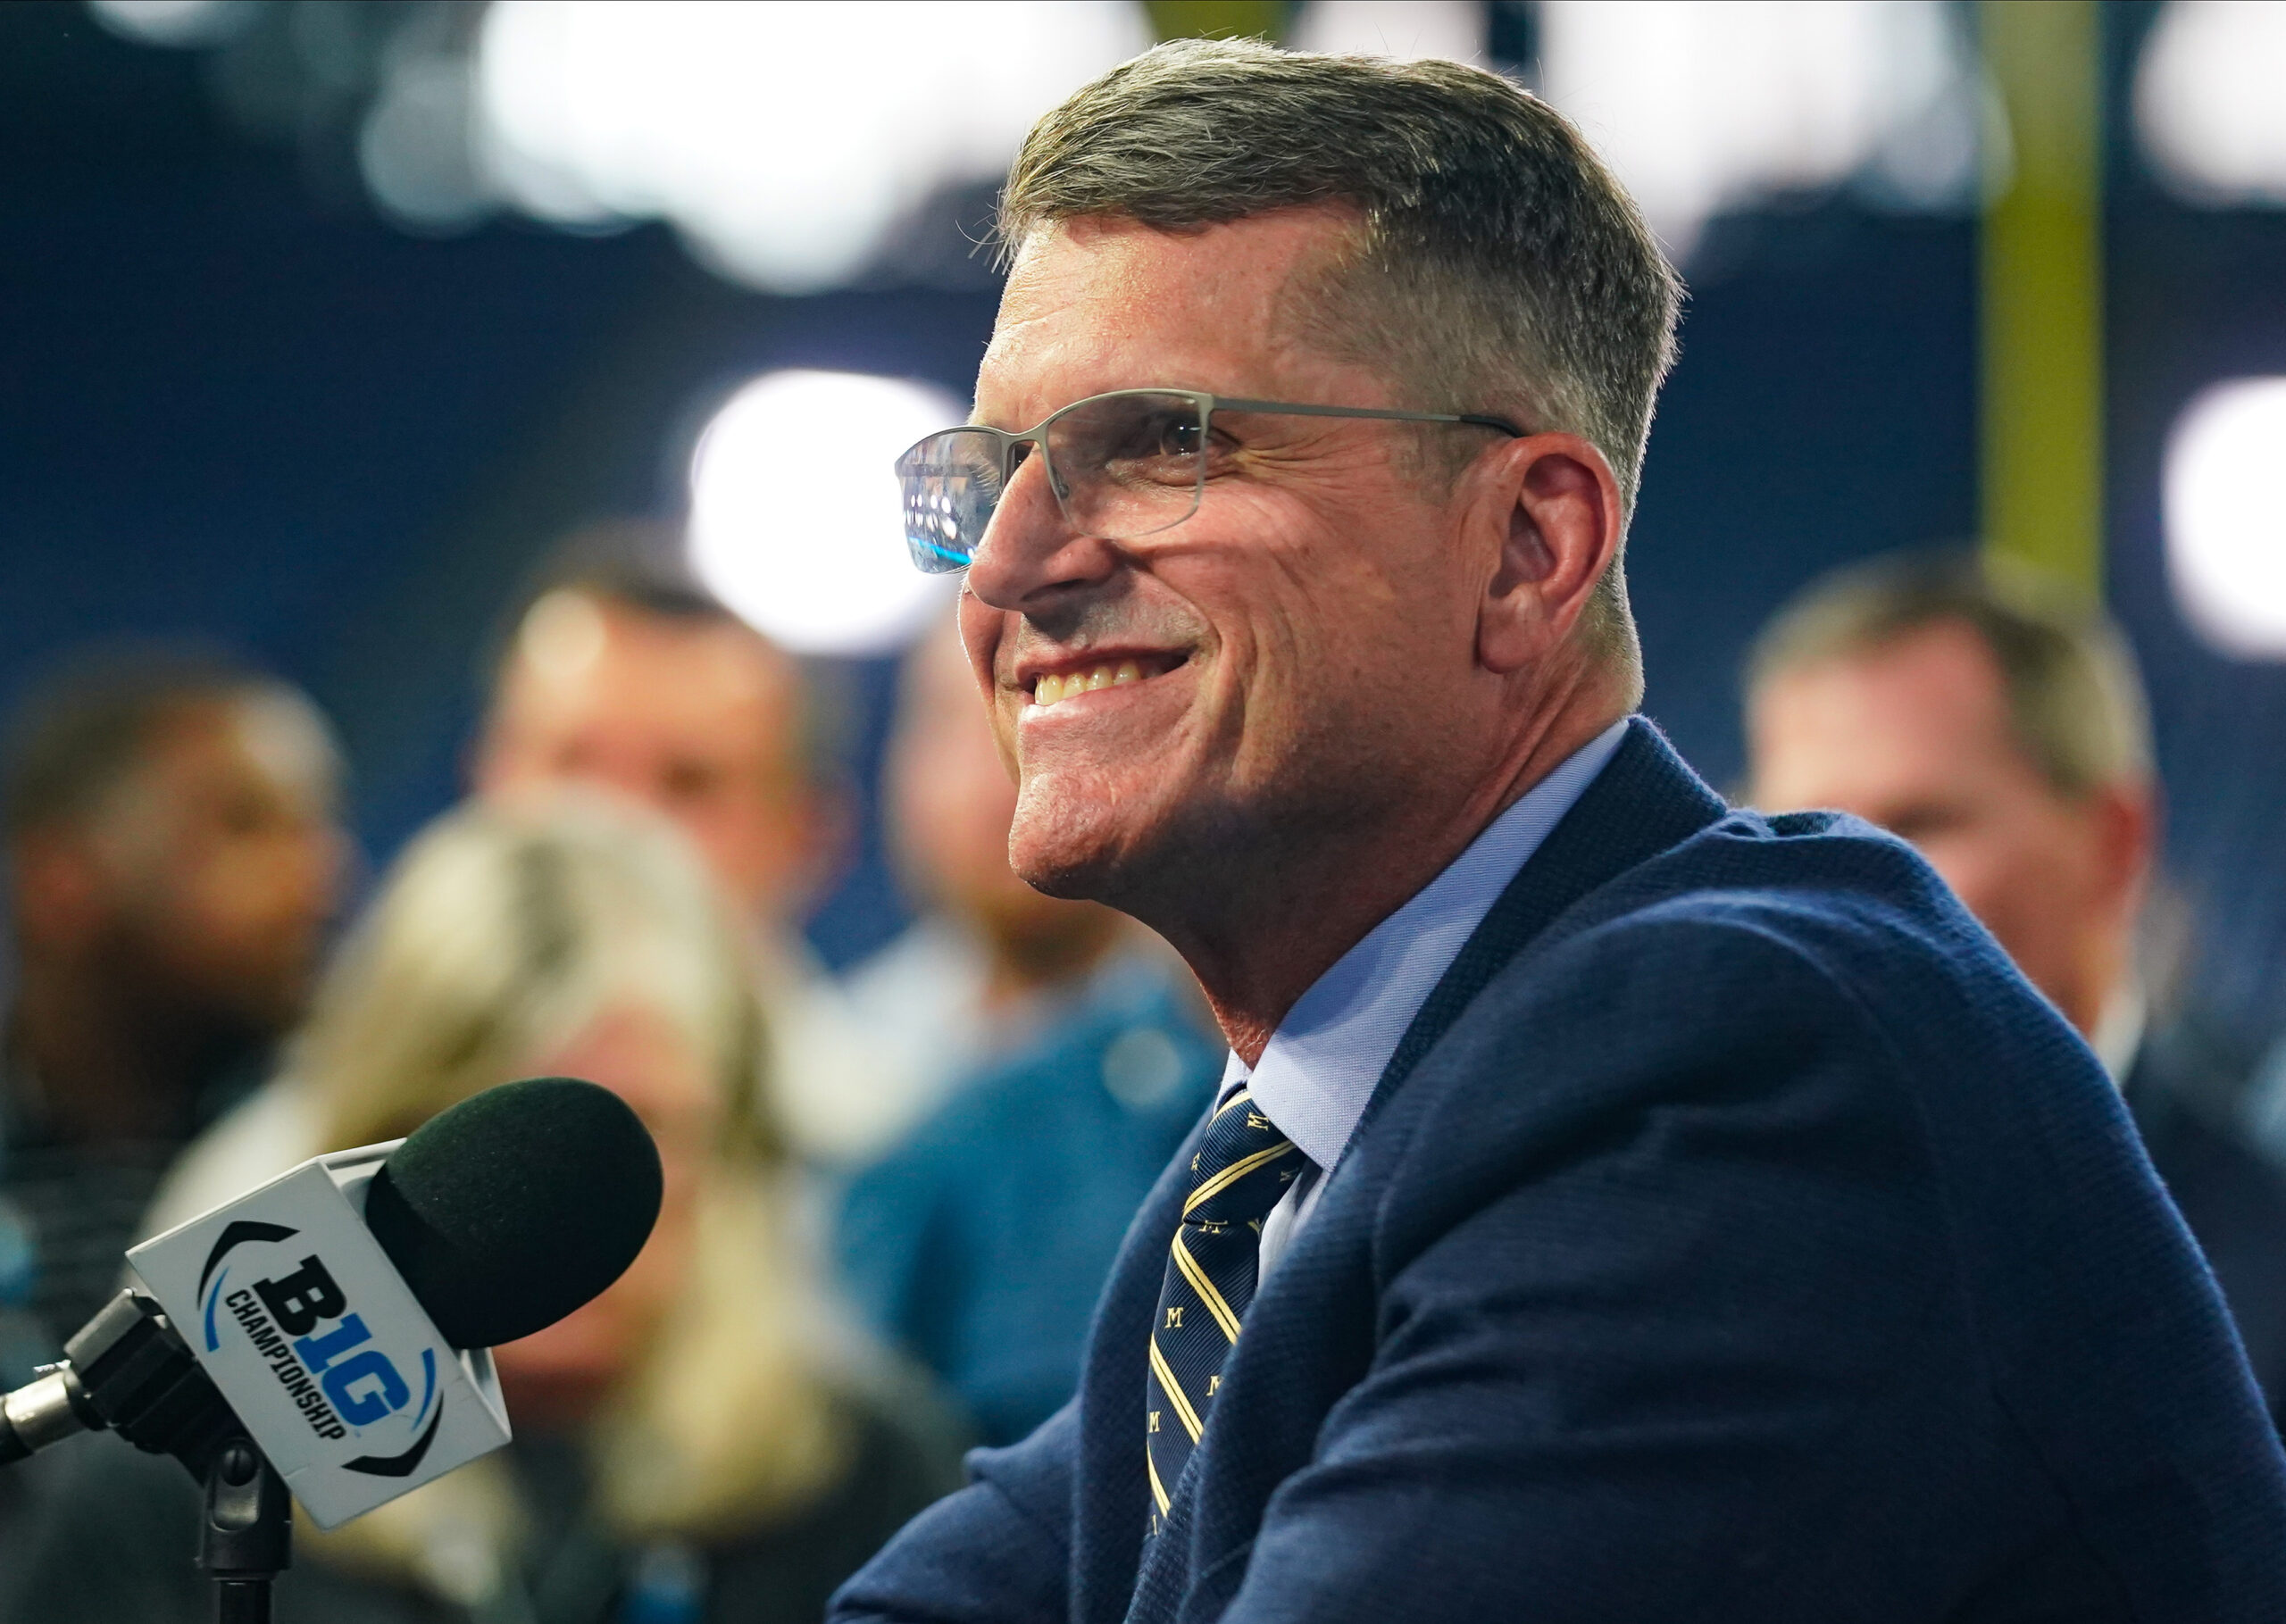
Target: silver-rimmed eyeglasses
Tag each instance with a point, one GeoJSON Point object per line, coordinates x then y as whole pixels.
{"type": "Point", "coordinates": [1121, 465]}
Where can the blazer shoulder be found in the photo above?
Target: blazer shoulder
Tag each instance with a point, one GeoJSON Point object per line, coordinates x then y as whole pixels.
{"type": "Point", "coordinates": [1766, 910]}
{"type": "Point", "coordinates": [1821, 885]}
{"type": "Point", "coordinates": [1767, 951]}
{"type": "Point", "coordinates": [1720, 979]}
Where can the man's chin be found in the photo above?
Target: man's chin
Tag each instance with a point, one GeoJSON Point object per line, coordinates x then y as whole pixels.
{"type": "Point", "coordinates": [1083, 848]}
{"type": "Point", "coordinates": [1075, 870]}
{"type": "Point", "coordinates": [1150, 853]}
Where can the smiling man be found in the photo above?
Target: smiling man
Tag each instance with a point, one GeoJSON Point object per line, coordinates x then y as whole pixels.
{"type": "Point", "coordinates": [1608, 1212]}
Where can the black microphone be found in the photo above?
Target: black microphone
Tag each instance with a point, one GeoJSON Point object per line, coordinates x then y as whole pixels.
{"type": "Point", "coordinates": [517, 1206]}
{"type": "Point", "coordinates": [502, 1215]}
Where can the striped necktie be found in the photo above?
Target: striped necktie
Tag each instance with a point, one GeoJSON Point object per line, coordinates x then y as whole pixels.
{"type": "Point", "coordinates": [1244, 1165]}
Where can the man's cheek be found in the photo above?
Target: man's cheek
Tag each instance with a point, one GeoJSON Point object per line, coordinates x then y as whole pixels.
{"type": "Point", "coordinates": [1005, 712]}
{"type": "Point", "coordinates": [1969, 866]}
{"type": "Point", "coordinates": [979, 625]}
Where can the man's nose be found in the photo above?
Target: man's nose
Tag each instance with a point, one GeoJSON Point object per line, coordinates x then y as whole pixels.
{"type": "Point", "coordinates": [1030, 550]}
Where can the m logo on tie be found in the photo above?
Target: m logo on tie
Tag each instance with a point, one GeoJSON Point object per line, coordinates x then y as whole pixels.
{"type": "Point", "coordinates": [1175, 1318]}
{"type": "Point", "coordinates": [1257, 1122]}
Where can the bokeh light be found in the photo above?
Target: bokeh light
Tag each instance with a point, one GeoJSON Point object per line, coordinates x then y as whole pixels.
{"type": "Point", "coordinates": [2210, 100]}
{"type": "Point", "coordinates": [1411, 31]}
{"type": "Point", "coordinates": [785, 141]}
{"type": "Point", "coordinates": [795, 517]}
{"type": "Point", "coordinates": [1703, 107]}
{"type": "Point", "coordinates": [2225, 496]}
{"type": "Point", "coordinates": [182, 23]}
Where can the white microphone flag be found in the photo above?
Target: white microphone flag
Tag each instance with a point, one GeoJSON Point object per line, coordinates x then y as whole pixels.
{"type": "Point", "coordinates": [316, 1342]}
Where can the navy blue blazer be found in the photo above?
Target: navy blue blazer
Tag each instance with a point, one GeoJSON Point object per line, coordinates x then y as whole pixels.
{"type": "Point", "coordinates": [1735, 1236]}
{"type": "Point", "coordinates": [2233, 1200]}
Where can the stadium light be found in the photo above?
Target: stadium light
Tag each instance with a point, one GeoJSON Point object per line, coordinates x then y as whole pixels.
{"type": "Point", "coordinates": [1408, 29]}
{"type": "Point", "coordinates": [784, 141]}
{"type": "Point", "coordinates": [2225, 504]}
{"type": "Point", "coordinates": [796, 520]}
{"type": "Point", "coordinates": [1704, 107]}
{"type": "Point", "coordinates": [2210, 101]}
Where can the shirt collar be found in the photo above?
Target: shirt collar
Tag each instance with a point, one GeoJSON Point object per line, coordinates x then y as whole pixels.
{"type": "Point", "coordinates": [2119, 1030]}
{"type": "Point", "coordinates": [1320, 1065]}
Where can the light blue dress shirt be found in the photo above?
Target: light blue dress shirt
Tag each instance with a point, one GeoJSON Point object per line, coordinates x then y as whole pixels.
{"type": "Point", "coordinates": [1319, 1068]}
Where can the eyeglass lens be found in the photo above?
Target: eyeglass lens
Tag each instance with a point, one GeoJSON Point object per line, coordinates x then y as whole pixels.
{"type": "Point", "coordinates": [1121, 466]}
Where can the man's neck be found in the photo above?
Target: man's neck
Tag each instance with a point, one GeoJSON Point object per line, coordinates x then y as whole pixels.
{"type": "Point", "coordinates": [2119, 1029]}
{"type": "Point", "coordinates": [1316, 901]}
{"type": "Point", "coordinates": [2106, 1003]}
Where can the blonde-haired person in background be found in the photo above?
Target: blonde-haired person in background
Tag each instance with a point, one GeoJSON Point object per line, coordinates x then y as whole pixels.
{"type": "Point", "coordinates": [699, 1443]}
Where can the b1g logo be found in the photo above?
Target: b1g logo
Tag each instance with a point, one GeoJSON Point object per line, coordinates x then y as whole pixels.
{"type": "Point", "coordinates": [299, 1322]}
{"type": "Point", "coordinates": [309, 1332]}
{"type": "Point", "coordinates": [358, 1378]}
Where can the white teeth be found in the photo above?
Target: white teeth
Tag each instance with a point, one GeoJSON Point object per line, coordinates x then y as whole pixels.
{"type": "Point", "coordinates": [1054, 690]}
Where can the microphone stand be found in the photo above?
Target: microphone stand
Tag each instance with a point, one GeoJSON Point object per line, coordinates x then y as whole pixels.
{"type": "Point", "coordinates": [246, 1532]}
{"type": "Point", "coordinates": [129, 1370]}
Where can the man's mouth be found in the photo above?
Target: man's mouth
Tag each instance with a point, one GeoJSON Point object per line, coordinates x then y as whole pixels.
{"type": "Point", "coordinates": [1054, 688]}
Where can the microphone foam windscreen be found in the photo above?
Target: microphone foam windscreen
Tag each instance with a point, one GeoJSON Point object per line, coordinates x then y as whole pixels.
{"type": "Point", "coordinates": [515, 1206]}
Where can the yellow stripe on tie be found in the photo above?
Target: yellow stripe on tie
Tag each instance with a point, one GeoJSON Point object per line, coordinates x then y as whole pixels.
{"type": "Point", "coordinates": [1205, 1287]}
{"type": "Point", "coordinates": [1158, 1493]}
{"type": "Point", "coordinates": [1184, 1413]}
{"type": "Point", "coordinates": [1232, 1174]}
{"type": "Point", "coordinates": [1241, 1095]}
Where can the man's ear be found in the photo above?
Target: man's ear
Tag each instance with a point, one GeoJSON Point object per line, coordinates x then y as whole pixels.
{"type": "Point", "coordinates": [2127, 830]}
{"type": "Point", "coordinates": [1552, 505]}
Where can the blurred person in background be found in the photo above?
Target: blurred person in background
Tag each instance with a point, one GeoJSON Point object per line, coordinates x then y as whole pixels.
{"type": "Point", "coordinates": [990, 960]}
{"type": "Point", "coordinates": [981, 1244]}
{"type": "Point", "coordinates": [1076, 1054]}
{"type": "Point", "coordinates": [699, 1443]}
{"type": "Point", "coordinates": [623, 673]}
{"type": "Point", "coordinates": [174, 861]}
{"type": "Point", "coordinates": [2002, 731]}
{"type": "Point", "coordinates": [619, 674]}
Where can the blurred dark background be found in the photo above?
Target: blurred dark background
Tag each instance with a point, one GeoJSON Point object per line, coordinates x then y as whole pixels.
{"type": "Point", "coordinates": [242, 406]}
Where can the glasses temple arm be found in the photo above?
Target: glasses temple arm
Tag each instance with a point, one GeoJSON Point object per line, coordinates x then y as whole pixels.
{"type": "Point", "coordinates": [1289, 408]}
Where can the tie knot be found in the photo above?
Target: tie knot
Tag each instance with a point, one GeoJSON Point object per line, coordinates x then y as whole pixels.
{"type": "Point", "coordinates": [1242, 1167]}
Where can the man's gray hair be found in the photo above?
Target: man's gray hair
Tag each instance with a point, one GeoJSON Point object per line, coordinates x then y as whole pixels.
{"type": "Point", "coordinates": [1500, 268]}
{"type": "Point", "coordinates": [2075, 701]}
